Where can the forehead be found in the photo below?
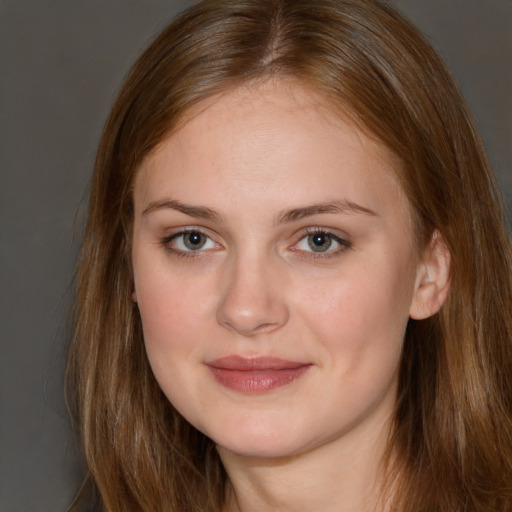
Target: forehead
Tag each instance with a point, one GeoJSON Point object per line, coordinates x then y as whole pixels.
{"type": "Point", "coordinates": [269, 140]}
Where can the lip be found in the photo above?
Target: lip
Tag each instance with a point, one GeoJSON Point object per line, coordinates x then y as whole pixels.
{"type": "Point", "coordinates": [256, 374]}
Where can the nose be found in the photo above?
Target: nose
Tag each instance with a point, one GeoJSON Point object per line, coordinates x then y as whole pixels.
{"type": "Point", "coordinates": [253, 299]}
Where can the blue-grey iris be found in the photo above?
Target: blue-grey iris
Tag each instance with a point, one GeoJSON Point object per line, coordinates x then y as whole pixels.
{"type": "Point", "coordinates": [319, 242]}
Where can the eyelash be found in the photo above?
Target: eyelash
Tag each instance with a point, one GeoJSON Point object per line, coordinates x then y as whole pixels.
{"type": "Point", "coordinates": [167, 243]}
{"type": "Point", "coordinates": [343, 244]}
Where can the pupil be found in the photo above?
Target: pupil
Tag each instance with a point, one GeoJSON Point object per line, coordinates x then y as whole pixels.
{"type": "Point", "coordinates": [194, 240]}
{"type": "Point", "coordinates": [319, 242]}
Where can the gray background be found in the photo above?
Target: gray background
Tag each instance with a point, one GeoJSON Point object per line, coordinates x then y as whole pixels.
{"type": "Point", "coordinates": [60, 65]}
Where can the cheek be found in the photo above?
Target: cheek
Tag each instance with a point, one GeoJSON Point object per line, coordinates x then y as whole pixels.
{"type": "Point", "coordinates": [173, 320]}
{"type": "Point", "coordinates": [173, 312]}
{"type": "Point", "coordinates": [361, 314]}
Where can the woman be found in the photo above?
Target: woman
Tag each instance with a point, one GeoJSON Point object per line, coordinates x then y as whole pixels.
{"type": "Point", "coordinates": [294, 291]}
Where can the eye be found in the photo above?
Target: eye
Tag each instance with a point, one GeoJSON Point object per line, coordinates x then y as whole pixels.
{"type": "Point", "coordinates": [320, 241]}
{"type": "Point", "coordinates": [190, 240]}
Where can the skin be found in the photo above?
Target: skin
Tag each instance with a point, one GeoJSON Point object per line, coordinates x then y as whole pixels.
{"type": "Point", "coordinates": [259, 287]}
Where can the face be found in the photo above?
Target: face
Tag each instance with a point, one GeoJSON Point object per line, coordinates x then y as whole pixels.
{"type": "Point", "coordinates": [274, 272]}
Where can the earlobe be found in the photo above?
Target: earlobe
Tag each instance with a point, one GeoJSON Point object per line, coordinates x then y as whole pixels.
{"type": "Point", "coordinates": [432, 279]}
{"type": "Point", "coordinates": [134, 296]}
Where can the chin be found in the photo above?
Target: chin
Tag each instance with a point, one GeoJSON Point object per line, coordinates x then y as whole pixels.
{"type": "Point", "coordinates": [267, 443]}
{"type": "Point", "coordinates": [259, 449]}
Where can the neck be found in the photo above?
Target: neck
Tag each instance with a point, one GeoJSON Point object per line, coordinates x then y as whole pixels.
{"type": "Point", "coordinates": [342, 475]}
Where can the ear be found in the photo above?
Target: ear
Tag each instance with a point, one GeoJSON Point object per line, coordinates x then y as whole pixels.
{"type": "Point", "coordinates": [432, 279]}
{"type": "Point", "coordinates": [134, 296]}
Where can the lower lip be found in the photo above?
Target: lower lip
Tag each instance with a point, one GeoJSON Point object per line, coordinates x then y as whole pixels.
{"type": "Point", "coordinates": [257, 381]}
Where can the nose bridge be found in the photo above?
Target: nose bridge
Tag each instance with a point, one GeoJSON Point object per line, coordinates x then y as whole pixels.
{"type": "Point", "coordinates": [253, 298]}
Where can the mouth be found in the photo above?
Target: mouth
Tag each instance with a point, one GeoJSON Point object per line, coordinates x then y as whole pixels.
{"type": "Point", "coordinates": [256, 374]}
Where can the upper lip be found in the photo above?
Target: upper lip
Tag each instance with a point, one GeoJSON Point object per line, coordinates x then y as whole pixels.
{"type": "Point", "coordinates": [241, 363]}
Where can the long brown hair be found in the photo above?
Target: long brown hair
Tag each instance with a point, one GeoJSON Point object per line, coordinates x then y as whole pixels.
{"type": "Point", "coordinates": [451, 448]}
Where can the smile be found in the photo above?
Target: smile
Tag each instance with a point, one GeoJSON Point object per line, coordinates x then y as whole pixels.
{"type": "Point", "coordinates": [256, 375]}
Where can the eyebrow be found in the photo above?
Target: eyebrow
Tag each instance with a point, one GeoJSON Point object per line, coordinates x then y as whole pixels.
{"type": "Point", "coordinates": [199, 212]}
{"type": "Point", "coordinates": [292, 215]}
{"type": "Point", "coordinates": [322, 208]}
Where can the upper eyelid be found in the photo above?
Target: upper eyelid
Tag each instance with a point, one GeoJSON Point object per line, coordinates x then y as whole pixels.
{"type": "Point", "coordinates": [170, 236]}
{"type": "Point", "coordinates": [335, 233]}
{"type": "Point", "coordinates": [175, 232]}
